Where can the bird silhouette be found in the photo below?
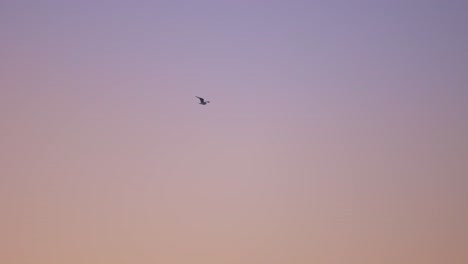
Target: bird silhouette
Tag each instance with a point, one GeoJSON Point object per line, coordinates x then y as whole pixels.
{"type": "Point", "coordinates": [202, 101]}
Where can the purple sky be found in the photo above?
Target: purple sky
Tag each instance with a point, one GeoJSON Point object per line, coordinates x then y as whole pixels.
{"type": "Point", "coordinates": [337, 132]}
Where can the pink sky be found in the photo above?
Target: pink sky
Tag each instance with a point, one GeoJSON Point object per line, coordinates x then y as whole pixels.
{"type": "Point", "coordinates": [337, 132]}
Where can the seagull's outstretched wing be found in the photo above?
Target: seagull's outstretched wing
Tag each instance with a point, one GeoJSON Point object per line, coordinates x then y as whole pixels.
{"type": "Point", "coordinates": [201, 99]}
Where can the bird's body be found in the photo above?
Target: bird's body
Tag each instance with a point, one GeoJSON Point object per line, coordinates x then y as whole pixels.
{"type": "Point", "coordinates": [202, 101]}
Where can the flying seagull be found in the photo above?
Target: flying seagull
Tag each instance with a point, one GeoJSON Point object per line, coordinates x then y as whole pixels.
{"type": "Point", "coordinates": [202, 101]}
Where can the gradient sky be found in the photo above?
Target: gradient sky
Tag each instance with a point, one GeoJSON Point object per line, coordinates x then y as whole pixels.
{"type": "Point", "coordinates": [337, 132]}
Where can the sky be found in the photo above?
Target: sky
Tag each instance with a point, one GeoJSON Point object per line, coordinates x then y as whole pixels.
{"type": "Point", "coordinates": [336, 133]}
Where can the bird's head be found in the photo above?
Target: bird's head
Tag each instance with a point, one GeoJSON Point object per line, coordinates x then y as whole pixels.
{"type": "Point", "coordinates": [207, 101]}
